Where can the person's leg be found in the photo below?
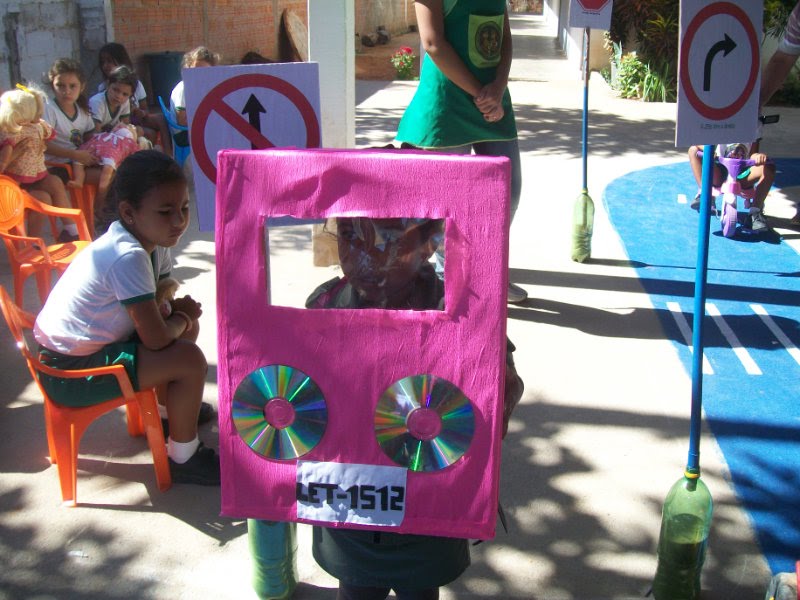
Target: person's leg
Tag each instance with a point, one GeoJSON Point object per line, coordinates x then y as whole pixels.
{"type": "Point", "coordinates": [157, 123]}
{"type": "Point", "coordinates": [35, 220]}
{"type": "Point", "coordinates": [354, 592]}
{"type": "Point", "coordinates": [761, 177]}
{"type": "Point", "coordinates": [438, 256]}
{"type": "Point", "coordinates": [696, 163]}
{"type": "Point", "coordinates": [54, 187]}
{"type": "Point", "coordinates": [104, 214]}
{"type": "Point", "coordinates": [78, 175]}
{"type": "Point", "coordinates": [182, 367]}
{"type": "Point", "coordinates": [509, 149]}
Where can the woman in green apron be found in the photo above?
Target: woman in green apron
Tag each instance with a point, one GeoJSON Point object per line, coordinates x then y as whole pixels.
{"type": "Point", "coordinates": [462, 104]}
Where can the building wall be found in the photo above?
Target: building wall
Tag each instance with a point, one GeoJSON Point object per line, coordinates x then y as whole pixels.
{"type": "Point", "coordinates": [35, 32]}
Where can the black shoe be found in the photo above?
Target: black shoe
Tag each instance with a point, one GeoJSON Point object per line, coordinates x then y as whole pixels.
{"type": "Point", "coordinates": [201, 469]}
{"type": "Point", "coordinates": [205, 415]}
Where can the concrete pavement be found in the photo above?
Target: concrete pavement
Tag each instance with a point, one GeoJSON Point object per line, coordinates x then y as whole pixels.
{"type": "Point", "coordinates": [598, 439]}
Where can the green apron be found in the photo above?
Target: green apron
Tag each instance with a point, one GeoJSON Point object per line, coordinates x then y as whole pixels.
{"type": "Point", "coordinates": [442, 115]}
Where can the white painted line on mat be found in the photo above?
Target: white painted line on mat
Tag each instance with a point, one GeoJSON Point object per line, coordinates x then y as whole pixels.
{"type": "Point", "coordinates": [686, 332]}
{"type": "Point", "coordinates": [681, 198]}
{"type": "Point", "coordinates": [777, 332]}
{"type": "Point", "coordinates": [743, 355]}
{"type": "Point", "coordinates": [788, 238]}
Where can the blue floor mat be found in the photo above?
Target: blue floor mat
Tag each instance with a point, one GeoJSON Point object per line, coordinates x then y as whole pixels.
{"type": "Point", "coordinates": [752, 398]}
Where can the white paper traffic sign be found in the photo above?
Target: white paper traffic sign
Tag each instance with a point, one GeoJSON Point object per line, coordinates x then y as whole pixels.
{"type": "Point", "coordinates": [595, 14]}
{"type": "Point", "coordinates": [247, 107]}
{"type": "Point", "coordinates": [718, 72]}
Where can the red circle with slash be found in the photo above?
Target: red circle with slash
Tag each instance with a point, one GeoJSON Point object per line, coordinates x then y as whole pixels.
{"type": "Point", "coordinates": [214, 102]}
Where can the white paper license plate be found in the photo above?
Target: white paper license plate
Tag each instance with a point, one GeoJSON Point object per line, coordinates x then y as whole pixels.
{"type": "Point", "coordinates": [349, 493]}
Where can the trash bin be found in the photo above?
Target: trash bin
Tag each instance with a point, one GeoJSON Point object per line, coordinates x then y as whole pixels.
{"type": "Point", "coordinates": [165, 73]}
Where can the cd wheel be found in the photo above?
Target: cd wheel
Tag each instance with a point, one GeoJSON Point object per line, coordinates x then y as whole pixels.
{"type": "Point", "coordinates": [424, 423]}
{"type": "Point", "coordinates": [279, 412]}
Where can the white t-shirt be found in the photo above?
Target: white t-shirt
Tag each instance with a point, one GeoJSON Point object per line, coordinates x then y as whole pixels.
{"type": "Point", "coordinates": [86, 308]}
{"type": "Point", "coordinates": [98, 105]}
{"type": "Point", "coordinates": [69, 131]}
{"type": "Point", "coordinates": [177, 101]}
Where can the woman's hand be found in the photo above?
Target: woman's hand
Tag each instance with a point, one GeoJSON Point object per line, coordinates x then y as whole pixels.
{"type": "Point", "coordinates": [493, 116]}
{"type": "Point", "coordinates": [188, 305]}
{"type": "Point", "coordinates": [85, 158]}
{"type": "Point", "coordinates": [490, 96]}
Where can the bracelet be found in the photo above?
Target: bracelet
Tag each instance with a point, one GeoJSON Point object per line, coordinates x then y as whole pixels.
{"type": "Point", "coordinates": [187, 319]}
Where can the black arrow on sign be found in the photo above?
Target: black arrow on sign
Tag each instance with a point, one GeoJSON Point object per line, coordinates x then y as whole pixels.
{"type": "Point", "coordinates": [725, 46]}
{"type": "Point", "coordinates": [253, 110]}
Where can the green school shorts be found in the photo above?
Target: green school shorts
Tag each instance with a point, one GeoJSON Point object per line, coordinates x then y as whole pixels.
{"type": "Point", "coordinates": [87, 391]}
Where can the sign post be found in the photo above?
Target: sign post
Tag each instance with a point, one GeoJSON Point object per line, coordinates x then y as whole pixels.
{"type": "Point", "coordinates": [717, 103]}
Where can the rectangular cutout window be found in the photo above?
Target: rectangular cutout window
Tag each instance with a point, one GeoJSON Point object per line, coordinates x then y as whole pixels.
{"type": "Point", "coordinates": [358, 262]}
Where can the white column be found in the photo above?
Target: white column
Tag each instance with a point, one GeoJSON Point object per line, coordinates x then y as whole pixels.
{"type": "Point", "coordinates": [331, 34]}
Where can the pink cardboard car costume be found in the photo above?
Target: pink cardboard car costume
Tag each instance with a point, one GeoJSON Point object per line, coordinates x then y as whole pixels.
{"type": "Point", "coordinates": [303, 393]}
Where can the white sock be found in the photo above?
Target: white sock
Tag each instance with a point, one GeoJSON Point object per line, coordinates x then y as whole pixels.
{"type": "Point", "coordinates": [180, 452]}
{"type": "Point", "coordinates": [70, 227]}
{"type": "Point", "coordinates": [162, 411]}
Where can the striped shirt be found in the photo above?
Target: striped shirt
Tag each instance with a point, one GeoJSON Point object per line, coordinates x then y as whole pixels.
{"type": "Point", "coordinates": [790, 42]}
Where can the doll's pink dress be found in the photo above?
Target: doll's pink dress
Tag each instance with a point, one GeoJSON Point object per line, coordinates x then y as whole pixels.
{"type": "Point", "coordinates": [29, 166]}
{"type": "Point", "coordinates": [113, 147]}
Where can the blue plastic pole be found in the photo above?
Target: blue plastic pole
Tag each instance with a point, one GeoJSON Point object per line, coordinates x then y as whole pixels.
{"type": "Point", "coordinates": [701, 272]}
{"type": "Point", "coordinates": [585, 124]}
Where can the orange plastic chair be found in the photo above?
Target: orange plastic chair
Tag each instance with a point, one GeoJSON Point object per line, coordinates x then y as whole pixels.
{"type": "Point", "coordinates": [30, 255]}
{"type": "Point", "coordinates": [65, 424]}
{"type": "Point", "coordinates": [81, 198]}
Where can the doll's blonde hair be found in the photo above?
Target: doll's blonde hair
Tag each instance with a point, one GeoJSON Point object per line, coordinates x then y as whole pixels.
{"type": "Point", "coordinates": [20, 106]}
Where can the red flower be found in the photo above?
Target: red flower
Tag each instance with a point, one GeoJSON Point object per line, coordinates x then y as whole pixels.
{"type": "Point", "coordinates": [406, 50]}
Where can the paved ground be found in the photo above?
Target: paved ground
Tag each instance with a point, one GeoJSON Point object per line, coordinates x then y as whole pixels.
{"type": "Point", "coordinates": [598, 439]}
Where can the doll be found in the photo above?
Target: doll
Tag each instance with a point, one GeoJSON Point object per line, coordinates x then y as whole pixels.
{"type": "Point", "coordinates": [21, 113]}
{"type": "Point", "coordinates": [110, 149]}
{"type": "Point", "coordinates": [23, 137]}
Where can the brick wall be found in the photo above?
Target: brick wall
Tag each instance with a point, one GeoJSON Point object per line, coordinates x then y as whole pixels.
{"type": "Point", "coordinates": [36, 32]}
{"type": "Point", "coordinates": [229, 27]}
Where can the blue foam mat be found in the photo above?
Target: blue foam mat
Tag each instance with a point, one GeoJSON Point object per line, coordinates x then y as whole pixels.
{"type": "Point", "coordinates": [754, 417]}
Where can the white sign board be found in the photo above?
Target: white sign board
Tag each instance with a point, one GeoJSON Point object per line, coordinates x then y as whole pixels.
{"type": "Point", "coordinates": [594, 14]}
{"type": "Point", "coordinates": [719, 70]}
{"type": "Point", "coordinates": [247, 107]}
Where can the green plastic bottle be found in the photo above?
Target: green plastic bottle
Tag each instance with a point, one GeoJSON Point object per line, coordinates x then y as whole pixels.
{"type": "Point", "coordinates": [582, 226]}
{"type": "Point", "coordinates": [273, 548]}
{"type": "Point", "coordinates": [685, 523]}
